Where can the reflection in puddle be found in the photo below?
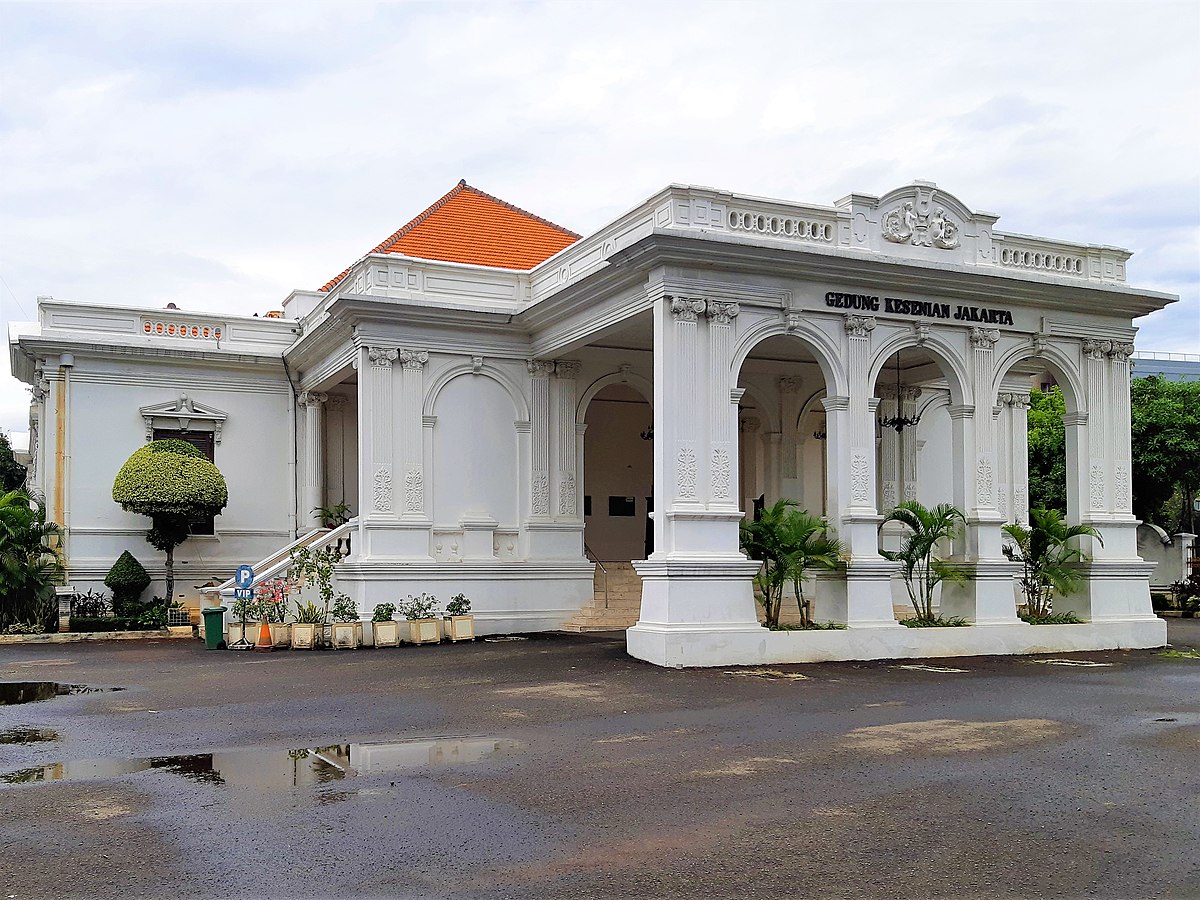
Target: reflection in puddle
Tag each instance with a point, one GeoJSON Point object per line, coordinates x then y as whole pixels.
{"type": "Point", "coordinates": [280, 769]}
{"type": "Point", "coordinates": [27, 735]}
{"type": "Point", "coordinates": [14, 692]}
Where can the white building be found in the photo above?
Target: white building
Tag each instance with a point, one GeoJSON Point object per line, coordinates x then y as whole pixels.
{"type": "Point", "coordinates": [491, 393]}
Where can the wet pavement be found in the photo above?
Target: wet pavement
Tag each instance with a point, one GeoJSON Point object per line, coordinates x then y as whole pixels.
{"type": "Point", "coordinates": [560, 767]}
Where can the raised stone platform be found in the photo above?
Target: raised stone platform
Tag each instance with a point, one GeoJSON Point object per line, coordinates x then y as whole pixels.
{"type": "Point", "coordinates": [692, 645]}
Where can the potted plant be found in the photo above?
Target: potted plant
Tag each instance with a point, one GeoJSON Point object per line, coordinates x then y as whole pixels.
{"type": "Point", "coordinates": [308, 631]}
{"type": "Point", "coordinates": [385, 630]}
{"type": "Point", "coordinates": [346, 631]}
{"type": "Point", "coordinates": [333, 516]}
{"type": "Point", "coordinates": [423, 620]}
{"type": "Point", "coordinates": [920, 567]}
{"type": "Point", "coordinates": [1046, 560]}
{"type": "Point", "coordinates": [273, 609]}
{"type": "Point", "coordinates": [458, 621]}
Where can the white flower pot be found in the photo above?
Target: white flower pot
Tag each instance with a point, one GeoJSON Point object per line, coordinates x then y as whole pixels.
{"type": "Point", "coordinates": [306, 636]}
{"type": "Point", "coordinates": [424, 631]}
{"type": "Point", "coordinates": [386, 634]}
{"type": "Point", "coordinates": [346, 635]}
{"type": "Point", "coordinates": [460, 628]}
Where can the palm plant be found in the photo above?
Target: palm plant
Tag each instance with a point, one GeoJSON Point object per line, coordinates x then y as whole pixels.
{"type": "Point", "coordinates": [808, 545]}
{"type": "Point", "coordinates": [762, 539]}
{"type": "Point", "coordinates": [1046, 557]}
{"type": "Point", "coordinates": [29, 567]}
{"type": "Point", "coordinates": [921, 569]}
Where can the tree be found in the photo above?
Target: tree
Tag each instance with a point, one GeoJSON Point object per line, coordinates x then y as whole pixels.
{"type": "Point", "coordinates": [29, 566]}
{"type": "Point", "coordinates": [1047, 450]}
{"type": "Point", "coordinates": [1165, 429]}
{"type": "Point", "coordinates": [807, 544]}
{"type": "Point", "coordinates": [921, 569]}
{"type": "Point", "coordinates": [174, 484]}
{"type": "Point", "coordinates": [762, 539]}
{"type": "Point", "coordinates": [1045, 554]}
{"type": "Point", "coordinates": [12, 473]}
{"type": "Point", "coordinates": [128, 580]}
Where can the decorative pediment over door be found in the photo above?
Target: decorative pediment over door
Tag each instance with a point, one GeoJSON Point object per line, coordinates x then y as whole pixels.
{"type": "Point", "coordinates": [183, 414]}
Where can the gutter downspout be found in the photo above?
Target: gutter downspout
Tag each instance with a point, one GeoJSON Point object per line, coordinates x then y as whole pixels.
{"type": "Point", "coordinates": [293, 464]}
{"type": "Point", "coordinates": [62, 436]}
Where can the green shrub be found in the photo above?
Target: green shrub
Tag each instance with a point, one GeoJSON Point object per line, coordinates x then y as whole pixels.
{"type": "Point", "coordinates": [384, 612]}
{"type": "Point", "coordinates": [127, 580]}
{"type": "Point", "coordinates": [101, 623]}
{"type": "Point", "coordinates": [459, 605]}
{"type": "Point", "coordinates": [934, 622]}
{"type": "Point", "coordinates": [1052, 619]}
{"type": "Point", "coordinates": [1159, 600]}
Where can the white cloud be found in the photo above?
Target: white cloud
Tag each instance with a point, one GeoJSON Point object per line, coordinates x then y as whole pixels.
{"type": "Point", "coordinates": [219, 155]}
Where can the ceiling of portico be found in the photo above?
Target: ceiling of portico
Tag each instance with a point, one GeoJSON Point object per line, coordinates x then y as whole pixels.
{"type": "Point", "coordinates": [636, 333]}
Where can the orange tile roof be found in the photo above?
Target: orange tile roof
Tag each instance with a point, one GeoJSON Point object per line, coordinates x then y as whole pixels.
{"type": "Point", "coordinates": [469, 226]}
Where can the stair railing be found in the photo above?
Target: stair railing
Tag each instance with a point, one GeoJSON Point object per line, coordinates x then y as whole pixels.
{"type": "Point", "coordinates": [281, 560]}
{"type": "Point", "coordinates": [592, 556]}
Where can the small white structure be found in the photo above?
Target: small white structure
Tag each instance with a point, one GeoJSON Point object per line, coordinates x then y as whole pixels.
{"type": "Point", "coordinates": [492, 394]}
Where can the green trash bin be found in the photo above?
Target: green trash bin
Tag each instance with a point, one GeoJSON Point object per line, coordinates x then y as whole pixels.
{"type": "Point", "coordinates": [214, 627]}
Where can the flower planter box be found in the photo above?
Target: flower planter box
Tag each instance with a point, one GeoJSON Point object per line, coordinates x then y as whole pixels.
{"type": "Point", "coordinates": [459, 628]}
{"type": "Point", "coordinates": [386, 634]}
{"type": "Point", "coordinates": [306, 636]}
{"type": "Point", "coordinates": [281, 634]}
{"type": "Point", "coordinates": [235, 632]}
{"type": "Point", "coordinates": [424, 631]}
{"type": "Point", "coordinates": [346, 635]}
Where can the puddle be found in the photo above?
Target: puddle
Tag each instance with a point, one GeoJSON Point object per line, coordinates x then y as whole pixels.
{"type": "Point", "coordinates": [14, 692]}
{"type": "Point", "coordinates": [27, 735]}
{"type": "Point", "coordinates": [263, 769]}
{"type": "Point", "coordinates": [943, 669]}
{"type": "Point", "coordinates": [1081, 663]}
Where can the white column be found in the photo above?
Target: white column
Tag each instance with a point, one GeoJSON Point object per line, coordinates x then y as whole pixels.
{"type": "Point", "coordinates": [749, 430]}
{"type": "Point", "coordinates": [540, 371]}
{"type": "Point", "coordinates": [313, 403]}
{"type": "Point", "coordinates": [565, 456]}
{"type": "Point", "coordinates": [889, 449]}
{"type": "Point", "coordinates": [722, 412]}
{"type": "Point", "coordinates": [1019, 489]}
{"type": "Point", "coordinates": [772, 444]}
{"type": "Point", "coordinates": [412, 451]}
{"type": "Point", "coordinates": [1119, 435]}
{"type": "Point", "coordinates": [908, 444]}
{"type": "Point", "coordinates": [697, 600]}
{"type": "Point", "coordinates": [791, 481]}
{"type": "Point", "coordinates": [986, 597]}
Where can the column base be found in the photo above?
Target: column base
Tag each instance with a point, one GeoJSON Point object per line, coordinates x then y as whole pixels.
{"type": "Point", "coordinates": [392, 538]}
{"type": "Point", "coordinates": [869, 594]}
{"type": "Point", "coordinates": [1114, 591]}
{"type": "Point", "coordinates": [986, 597]}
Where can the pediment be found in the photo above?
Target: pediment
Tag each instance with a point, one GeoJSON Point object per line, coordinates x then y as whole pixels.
{"type": "Point", "coordinates": [921, 220]}
{"type": "Point", "coordinates": [185, 414]}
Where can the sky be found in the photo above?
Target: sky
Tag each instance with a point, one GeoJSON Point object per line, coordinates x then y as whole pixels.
{"type": "Point", "coordinates": [219, 155]}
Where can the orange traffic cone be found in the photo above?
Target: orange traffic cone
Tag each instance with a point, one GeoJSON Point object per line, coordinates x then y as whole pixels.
{"type": "Point", "coordinates": [264, 642]}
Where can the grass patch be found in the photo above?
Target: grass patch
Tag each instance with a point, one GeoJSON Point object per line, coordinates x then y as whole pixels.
{"type": "Point", "coordinates": [1180, 654]}
{"type": "Point", "coordinates": [813, 626]}
{"type": "Point", "coordinates": [1053, 619]}
{"type": "Point", "coordinates": [935, 622]}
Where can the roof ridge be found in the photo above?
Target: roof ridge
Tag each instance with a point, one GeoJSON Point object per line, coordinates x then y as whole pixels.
{"type": "Point", "coordinates": [514, 208]}
{"type": "Point", "coordinates": [434, 207]}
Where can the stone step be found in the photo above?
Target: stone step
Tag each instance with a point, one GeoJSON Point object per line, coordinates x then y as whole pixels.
{"type": "Point", "coordinates": [584, 629]}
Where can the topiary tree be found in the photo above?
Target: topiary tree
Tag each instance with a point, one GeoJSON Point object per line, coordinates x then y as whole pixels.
{"type": "Point", "coordinates": [174, 484]}
{"type": "Point", "coordinates": [127, 580]}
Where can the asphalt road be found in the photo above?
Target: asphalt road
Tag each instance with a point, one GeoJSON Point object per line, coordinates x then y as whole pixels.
{"type": "Point", "coordinates": [613, 778]}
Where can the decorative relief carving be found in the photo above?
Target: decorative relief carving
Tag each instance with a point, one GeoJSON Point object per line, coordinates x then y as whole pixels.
{"type": "Point", "coordinates": [722, 473]}
{"type": "Point", "coordinates": [794, 322]}
{"type": "Point", "coordinates": [790, 385]}
{"type": "Point", "coordinates": [567, 368]}
{"type": "Point", "coordinates": [1096, 482]}
{"type": "Point", "coordinates": [910, 393]}
{"type": "Point", "coordinates": [905, 225]}
{"type": "Point", "coordinates": [40, 389]}
{"type": "Point", "coordinates": [859, 326]}
{"type": "Point", "coordinates": [383, 488]}
{"type": "Point", "coordinates": [858, 478]}
{"type": "Point", "coordinates": [721, 313]}
{"type": "Point", "coordinates": [1039, 344]}
{"type": "Point", "coordinates": [889, 494]}
{"type": "Point", "coordinates": [382, 357]}
{"type": "Point", "coordinates": [566, 495]}
{"type": "Point", "coordinates": [309, 399]}
{"type": "Point", "coordinates": [910, 490]}
{"type": "Point", "coordinates": [686, 309]}
{"type": "Point", "coordinates": [541, 494]}
{"type": "Point", "coordinates": [476, 364]}
{"type": "Point", "coordinates": [413, 359]}
{"type": "Point", "coordinates": [921, 330]}
{"type": "Point", "coordinates": [1096, 349]}
{"type": "Point", "coordinates": [749, 425]}
{"type": "Point", "coordinates": [1002, 501]}
{"type": "Point", "coordinates": [1120, 352]}
{"type": "Point", "coordinates": [414, 490]}
{"type": "Point", "coordinates": [1022, 505]}
{"type": "Point", "coordinates": [540, 368]}
{"type": "Point", "coordinates": [686, 469]}
{"type": "Point", "coordinates": [985, 485]}
{"type": "Point", "coordinates": [985, 338]}
{"type": "Point", "coordinates": [1121, 486]}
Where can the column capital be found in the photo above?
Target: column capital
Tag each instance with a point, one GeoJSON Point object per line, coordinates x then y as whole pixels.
{"type": "Point", "coordinates": [310, 399]}
{"type": "Point", "coordinates": [984, 338]}
{"type": "Point", "coordinates": [540, 368]}
{"type": "Point", "coordinates": [750, 425]}
{"type": "Point", "coordinates": [1075, 418]}
{"type": "Point", "coordinates": [567, 368]}
{"type": "Point", "coordinates": [859, 326]}
{"type": "Point", "coordinates": [790, 385]}
{"type": "Point", "coordinates": [909, 393]}
{"type": "Point", "coordinates": [1120, 351]}
{"type": "Point", "coordinates": [961, 411]}
{"type": "Point", "coordinates": [720, 313]}
{"type": "Point", "coordinates": [686, 309]}
{"type": "Point", "coordinates": [413, 359]}
{"type": "Point", "coordinates": [836, 402]}
{"type": "Point", "coordinates": [1094, 349]}
{"type": "Point", "coordinates": [382, 357]}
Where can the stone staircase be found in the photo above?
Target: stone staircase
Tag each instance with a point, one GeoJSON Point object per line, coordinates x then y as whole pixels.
{"type": "Point", "coordinates": [624, 601]}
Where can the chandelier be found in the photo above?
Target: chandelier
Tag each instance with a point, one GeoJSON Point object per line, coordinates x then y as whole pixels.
{"type": "Point", "coordinates": [898, 422]}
